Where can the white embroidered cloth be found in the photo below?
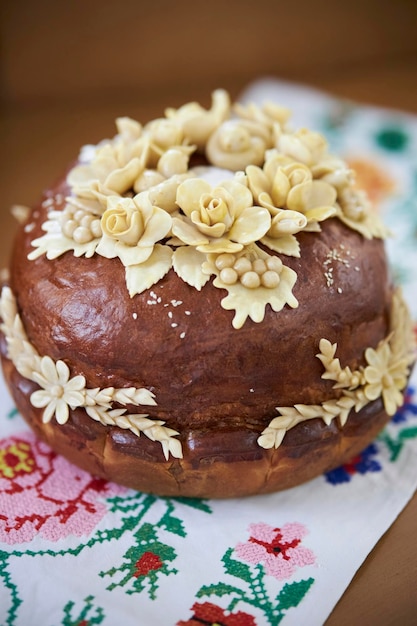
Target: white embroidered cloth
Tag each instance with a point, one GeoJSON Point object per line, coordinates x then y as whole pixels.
{"type": "Point", "coordinates": [76, 550]}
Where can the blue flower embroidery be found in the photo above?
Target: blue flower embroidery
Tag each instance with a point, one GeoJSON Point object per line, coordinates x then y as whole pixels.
{"type": "Point", "coordinates": [360, 464]}
{"type": "Point", "coordinates": [409, 408]}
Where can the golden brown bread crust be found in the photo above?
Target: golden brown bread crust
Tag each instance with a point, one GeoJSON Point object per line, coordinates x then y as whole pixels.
{"type": "Point", "coordinates": [79, 310]}
{"type": "Point", "coordinates": [219, 387]}
{"type": "Point", "coordinates": [217, 463]}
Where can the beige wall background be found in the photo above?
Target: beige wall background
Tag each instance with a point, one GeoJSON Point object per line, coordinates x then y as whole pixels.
{"type": "Point", "coordinates": [85, 50]}
{"type": "Point", "coordinates": [68, 68]}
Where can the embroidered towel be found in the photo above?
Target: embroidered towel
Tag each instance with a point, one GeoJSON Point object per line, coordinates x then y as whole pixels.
{"type": "Point", "coordinates": [76, 550]}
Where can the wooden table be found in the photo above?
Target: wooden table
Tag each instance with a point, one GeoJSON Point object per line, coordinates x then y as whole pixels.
{"type": "Point", "coordinates": [69, 71]}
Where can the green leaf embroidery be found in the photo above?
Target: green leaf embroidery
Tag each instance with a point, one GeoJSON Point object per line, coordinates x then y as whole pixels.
{"type": "Point", "coordinates": [219, 590]}
{"type": "Point", "coordinates": [172, 524]}
{"type": "Point", "coordinates": [195, 503]}
{"type": "Point", "coordinates": [396, 444]}
{"type": "Point", "coordinates": [236, 568]}
{"type": "Point", "coordinates": [291, 594]}
{"type": "Point", "coordinates": [408, 433]}
{"type": "Point", "coordinates": [85, 616]}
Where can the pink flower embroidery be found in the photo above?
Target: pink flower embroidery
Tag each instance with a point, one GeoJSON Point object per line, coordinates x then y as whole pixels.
{"type": "Point", "coordinates": [279, 549]}
{"type": "Point", "coordinates": [42, 493]}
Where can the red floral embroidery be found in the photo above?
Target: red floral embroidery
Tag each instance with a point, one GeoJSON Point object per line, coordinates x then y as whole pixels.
{"type": "Point", "coordinates": [16, 460]}
{"type": "Point", "coordinates": [278, 549]}
{"type": "Point", "coordinates": [41, 492]}
{"type": "Point", "coordinates": [148, 562]}
{"type": "Point", "coordinates": [208, 614]}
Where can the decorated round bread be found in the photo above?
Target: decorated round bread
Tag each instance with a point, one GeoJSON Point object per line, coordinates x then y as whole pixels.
{"type": "Point", "coordinates": [202, 307]}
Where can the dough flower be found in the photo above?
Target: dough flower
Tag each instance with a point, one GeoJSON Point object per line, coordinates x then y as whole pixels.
{"type": "Point", "coordinates": [290, 186]}
{"type": "Point", "coordinates": [131, 228]}
{"type": "Point", "coordinates": [58, 390]}
{"type": "Point", "coordinates": [384, 377]}
{"type": "Point", "coordinates": [305, 146]}
{"type": "Point", "coordinates": [295, 201]}
{"type": "Point", "coordinates": [107, 172]}
{"type": "Point", "coordinates": [198, 123]}
{"type": "Point", "coordinates": [222, 219]}
{"type": "Point", "coordinates": [237, 143]}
